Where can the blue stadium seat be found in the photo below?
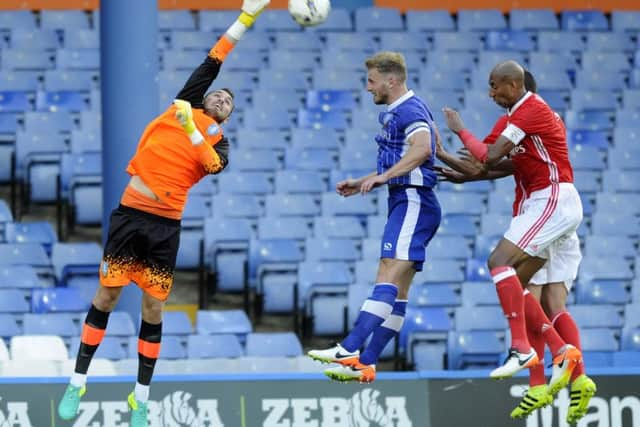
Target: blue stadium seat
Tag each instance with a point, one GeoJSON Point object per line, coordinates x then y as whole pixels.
{"type": "Point", "coordinates": [276, 20]}
{"type": "Point", "coordinates": [38, 41]}
{"type": "Point", "coordinates": [263, 138]}
{"type": "Point", "coordinates": [333, 204]}
{"type": "Point", "coordinates": [378, 19]}
{"type": "Point", "coordinates": [583, 20]}
{"type": "Point", "coordinates": [287, 60]}
{"type": "Point", "coordinates": [605, 268]}
{"type": "Point", "coordinates": [587, 181]}
{"type": "Point", "coordinates": [111, 348]}
{"type": "Point", "coordinates": [190, 40]}
{"type": "Point", "coordinates": [625, 358]}
{"type": "Point", "coordinates": [13, 301]}
{"type": "Point", "coordinates": [243, 60]}
{"type": "Point", "coordinates": [59, 300]}
{"type": "Point", "coordinates": [492, 224]}
{"type": "Point", "coordinates": [451, 60]}
{"type": "Point", "coordinates": [255, 160]}
{"type": "Point", "coordinates": [14, 102]}
{"type": "Point", "coordinates": [457, 40]}
{"type": "Point", "coordinates": [85, 142]}
{"type": "Point", "coordinates": [477, 270]}
{"type": "Point", "coordinates": [18, 277]}
{"type": "Point", "coordinates": [294, 181]}
{"type": "Point", "coordinates": [480, 318]}
{"type": "Point", "coordinates": [624, 158]}
{"type": "Point", "coordinates": [612, 224]}
{"type": "Point", "coordinates": [49, 324]}
{"type": "Point", "coordinates": [584, 157]}
{"type": "Point", "coordinates": [608, 42]}
{"type": "Point", "coordinates": [556, 60]}
{"type": "Point", "coordinates": [618, 203]}
{"type": "Point", "coordinates": [429, 20]}
{"type": "Point", "coordinates": [355, 44]}
{"type": "Point", "coordinates": [461, 203]}
{"type": "Point", "coordinates": [320, 119]}
{"type": "Point", "coordinates": [598, 245]}
{"type": "Point", "coordinates": [597, 316]}
{"type": "Point", "coordinates": [213, 346]}
{"type": "Point", "coordinates": [239, 81]}
{"type": "Point", "coordinates": [588, 138]}
{"type": "Point", "coordinates": [603, 292]}
{"type": "Point", "coordinates": [181, 59]}
{"type": "Point", "coordinates": [509, 40]}
{"type": "Point", "coordinates": [485, 244]}
{"type": "Point", "coordinates": [176, 323]}
{"type": "Point", "coordinates": [338, 20]}
{"type": "Point", "coordinates": [560, 41]}
{"type": "Point", "coordinates": [338, 79]}
{"type": "Point", "coordinates": [24, 81]}
{"type": "Point", "coordinates": [323, 277]}
{"type": "Point", "coordinates": [425, 295]}
{"type": "Point", "coordinates": [438, 99]}
{"type": "Point", "coordinates": [314, 159]}
{"type": "Point", "coordinates": [464, 225]}
{"type": "Point", "coordinates": [237, 205]}
{"type": "Point", "coordinates": [246, 182]}
{"type": "Point", "coordinates": [326, 138]}
{"type": "Point", "coordinates": [331, 249]}
{"type": "Point", "coordinates": [478, 293]}
{"type": "Point", "coordinates": [338, 227]}
{"type": "Point", "coordinates": [553, 80]}
{"type": "Point", "coordinates": [432, 321]}
{"type": "Point", "coordinates": [31, 232]}
{"type": "Point", "coordinates": [120, 324]}
{"type": "Point", "coordinates": [66, 80]}
{"type": "Point", "coordinates": [79, 59]}
{"type": "Point", "coordinates": [631, 340]}
{"type": "Point", "coordinates": [266, 255]}
{"type": "Point", "coordinates": [283, 228]}
{"type": "Point", "coordinates": [599, 339]}
{"type": "Point", "coordinates": [426, 356]}
{"type": "Point", "coordinates": [287, 205]}
{"type": "Point", "coordinates": [176, 20]}
{"type": "Point", "coordinates": [275, 118]}
{"type": "Point", "coordinates": [589, 79]}
{"type": "Point", "coordinates": [365, 121]}
{"type": "Point", "coordinates": [218, 20]}
{"type": "Point", "coordinates": [64, 19]}
{"type": "Point", "coordinates": [615, 180]}
{"type": "Point", "coordinates": [17, 19]}
{"type": "Point", "coordinates": [296, 41]}
{"type": "Point", "coordinates": [448, 247]}
{"type": "Point", "coordinates": [440, 271]}
{"type": "Point", "coordinates": [592, 120]}
{"type": "Point", "coordinates": [211, 322]}
{"type": "Point", "coordinates": [328, 100]}
{"type": "Point", "coordinates": [598, 359]}
{"type": "Point", "coordinates": [481, 20]}
{"type": "Point", "coordinates": [375, 225]}
{"type": "Point", "coordinates": [273, 344]}
{"type": "Point", "coordinates": [474, 349]}
{"type": "Point", "coordinates": [624, 20]}
{"type": "Point", "coordinates": [32, 254]}
{"type": "Point", "coordinates": [71, 259]}
{"type": "Point", "coordinates": [48, 122]}
{"type": "Point", "coordinates": [18, 59]}
{"type": "Point", "coordinates": [451, 80]}
{"type": "Point", "coordinates": [631, 97]}
{"type": "Point", "coordinates": [61, 101]}
{"type": "Point", "coordinates": [407, 42]}
{"type": "Point", "coordinates": [533, 19]}
{"type": "Point", "coordinates": [627, 116]}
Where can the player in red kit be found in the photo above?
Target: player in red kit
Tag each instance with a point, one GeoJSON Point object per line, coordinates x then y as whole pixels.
{"type": "Point", "coordinates": [551, 211]}
{"type": "Point", "coordinates": [550, 285]}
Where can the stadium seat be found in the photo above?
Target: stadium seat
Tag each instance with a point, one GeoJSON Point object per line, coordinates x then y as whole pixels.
{"type": "Point", "coordinates": [32, 254]}
{"type": "Point", "coordinates": [583, 20]}
{"type": "Point", "coordinates": [478, 294]}
{"type": "Point", "coordinates": [623, 20]}
{"type": "Point", "coordinates": [58, 300]}
{"type": "Point", "coordinates": [533, 19]}
{"type": "Point", "coordinates": [598, 245]}
{"type": "Point", "coordinates": [237, 205]}
{"type": "Point", "coordinates": [509, 40]}
{"type": "Point", "coordinates": [599, 339]}
{"type": "Point", "coordinates": [274, 344]}
{"type": "Point", "coordinates": [320, 119]}
{"type": "Point", "coordinates": [630, 340]}
{"type": "Point", "coordinates": [334, 205]}
{"type": "Point", "coordinates": [296, 41]}
{"type": "Point", "coordinates": [246, 182]}
{"type": "Point", "coordinates": [429, 20]}
{"type": "Point", "coordinates": [588, 120]}
{"type": "Point", "coordinates": [552, 41]}
{"type": "Point", "coordinates": [71, 259]}
{"type": "Point", "coordinates": [583, 99]}
{"type": "Point", "coordinates": [378, 19]}
{"type": "Point", "coordinates": [584, 157]}
{"type": "Point", "coordinates": [31, 232]}
{"type": "Point", "coordinates": [294, 181]}
{"type": "Point", "coordinates": [27, 347]}
{"type": "Point", "coordinates": [354, 44]}
{"type": "Point", "coordinates": [624, 158]}
{"type": "Point", "coordinates": [464, 225]}
{"type": "Point", "coordinates": [280, 227]}
{"type": "Point", "coordinates": [588, 138]}
{"type": "Point", "coordinates": [474, 349]}
{"type": "Point", "coordinates": [477, 270]}
{"type": "Point", "coordinates": [338, 227]}
{"type": "Point", "coordinates": [272, 255]}
{"type": "Point", "coordinates": [609, 41]}
{"type": "Point", "coordinates": [485, 244]}
{"type": "Point", "coordinates": [451, 80]}
{"type": "Point", "coordinates": [615, 181]}
{"type": "Point", "coordinates": [605, 268]}
{"type": "Point", "coordinates": [338, 20]}
{"type": "Point", "coordinates": [612, 224]}
{"type": "Point", "coordinates": [427, 356]}
{"type": "Point", "coordinates": [412, 44]}
{"type": "Point", "coordinates": [480, 318]}
{"type": "Point", "coordinates": [210, 322]}
{"type": "Point", "coordinates": [14, 102]}
{"type": "Point", "coordinates": [328, 100]}
{"type": "Point", "coordinates": [600, 80]}
{"type": "Point", "coordinates": [263, 138]}
{"type": "Point", "coordinates": [331, 249]}
{"type": "Point", "coordinates": [40, 41]}
{"type": "Point", "coordinates": [17, 19]}
{"type": "Point", "coordinates": [13, 301]}
{"type": "Point", "coordinates": [61, 324]}
{"type": "Point", "coordinates": [448, 247]}
{"type": "Point", "coordinates": [440, 271]}
{"type": "Point", "coordinates": [603, 292]}
{"type": "Point", "coordinates": [426, 295]}
{"type": "Point", "coordinates": [325, 138]}
{"type": "Point", "coordinates": [433, 322]}
{"type": "Point", "coordinates": [618, 202]}
{"type": "Point", "coordinates": [275, 20]}
{"type": "Point", "coordinates": [494, 223]}
{"type": "Point", "coordinates": [456, 41]}
{"type": "Point", "coordinates": [459, 203]}
{"type": "Point", "coordinates": [19, 277]}
{"type": "Point", "coordinates": [176, 20]}
{"type": "Point", "coordinates": [626, 358]}
{"type": "Point", "coordinates": [597, 316]}
{"type": "Point", "coordinates": [218, 20]}
{"type": "Point", "coordinates": [481, 20]}
{"type": "Point", "coordinates": [214, 346]}
{"type": "Point", "coordinates": [286, 205]}
{"type": "Point", "coordinates": [587, 181]}
{"type": "Point", "coordinates": [64, 19]}
{"type": "Point", "coordinates": [24, 81]}
{"type": "Point", "coordinates": [176, 323]}
{"type": "Point", "coordinates": [313, 159]}
{"type": "Point", "coordinates": [111, 348]}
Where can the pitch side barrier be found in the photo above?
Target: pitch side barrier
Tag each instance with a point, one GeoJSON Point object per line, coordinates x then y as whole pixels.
{"type": "Point", "coordinates": [418, 399]}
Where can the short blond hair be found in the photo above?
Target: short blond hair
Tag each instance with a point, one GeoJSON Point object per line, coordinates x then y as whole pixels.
{"type": "Point", "coordinates": [388, 63]}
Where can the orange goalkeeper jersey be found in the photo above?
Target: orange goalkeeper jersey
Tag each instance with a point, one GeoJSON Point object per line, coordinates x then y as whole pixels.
{"type": "Point", "coordinates": [167, 161]}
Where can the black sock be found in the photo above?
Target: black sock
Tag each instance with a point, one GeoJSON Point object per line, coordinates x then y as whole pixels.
{"type": "Point", "coordinates": [92, 333]}
{"type": "Point", "coordinates": [148, 350]}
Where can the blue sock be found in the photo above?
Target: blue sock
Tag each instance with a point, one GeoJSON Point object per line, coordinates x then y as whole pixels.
{"type": "Point", "coordinates": [384, 333]}
{"type": "Point", "coordinates": [374, 311]}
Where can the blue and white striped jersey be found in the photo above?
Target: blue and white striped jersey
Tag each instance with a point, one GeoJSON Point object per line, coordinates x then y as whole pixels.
{"type": "Point", "coordinates": [406, 116]}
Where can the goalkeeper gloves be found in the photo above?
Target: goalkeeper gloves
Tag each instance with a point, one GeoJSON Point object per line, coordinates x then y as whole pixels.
{"type": "Point", "coordinates": [184, 114]}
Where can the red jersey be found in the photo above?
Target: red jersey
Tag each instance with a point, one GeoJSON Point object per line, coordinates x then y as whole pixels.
{"type": "Point", "coordinates": [541, 156]}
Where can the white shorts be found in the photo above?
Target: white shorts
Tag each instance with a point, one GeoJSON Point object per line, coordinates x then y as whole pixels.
{"type": "Point", "coordinates": [563, 260]}
{"type": "Point", "coordinates": [546, 228]}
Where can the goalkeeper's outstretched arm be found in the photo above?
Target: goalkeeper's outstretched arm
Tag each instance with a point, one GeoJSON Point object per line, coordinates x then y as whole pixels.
{"type": "Point", "coordinates": [196, 87]}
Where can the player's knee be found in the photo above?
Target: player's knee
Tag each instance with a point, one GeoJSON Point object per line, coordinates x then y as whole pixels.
{"type": "Point", "coordinates": [106, 298]}
{"type": "Point", "coordinates": [152, 309]}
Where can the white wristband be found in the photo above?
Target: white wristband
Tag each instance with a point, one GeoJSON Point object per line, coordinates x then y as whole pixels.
{"type": "Point", "coordinates": [237, 30]}
{"type": "Point", "coordinates": [196, 137]}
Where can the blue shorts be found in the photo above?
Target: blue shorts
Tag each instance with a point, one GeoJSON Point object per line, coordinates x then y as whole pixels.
{"type": "Point", "coordinates": [412, 221]}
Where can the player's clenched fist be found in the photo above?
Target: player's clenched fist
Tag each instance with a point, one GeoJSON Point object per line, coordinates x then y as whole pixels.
{"type": "Point", "coordinates": [254, 7]}
{"type": "Point", "coordinates": [348, 187]}
{"type": "Point", "coordinates": [185, 115]}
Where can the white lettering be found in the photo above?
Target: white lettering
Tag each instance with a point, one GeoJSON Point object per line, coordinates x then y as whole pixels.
{"type": "Point", "coordinates": [208, 415]}
{"type": "Point", "coordinates": [599, 418]}
{"type": "Point", "coordinates": [17, 415]}
{"type": "Point", "coordinates": [112, 413]}
{"type": "Point", "coordinates": [155, 414]}
{"type": "Point", "coordinates": [87, 411]}
{"type": "Point", "coordinates": [334, 411]}
{"type": "Point", "coordinates": [302, 412]}
{"type": "Point", "coordinates": [276, 409]}
{"type": "Point", "coordinates": [397, 411]}
{"type": "Point", "coordinates": [618, 405]}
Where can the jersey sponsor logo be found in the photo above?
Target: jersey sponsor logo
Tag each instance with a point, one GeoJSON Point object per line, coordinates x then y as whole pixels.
{"type": "Point", "coordinates": [213, 129]}
{"type": "Point", "coordinates": [518, 149]}
{"type": "Point", "coordinates": [387, 246]}
{"type": "Point", "coordinates": [105, 268]}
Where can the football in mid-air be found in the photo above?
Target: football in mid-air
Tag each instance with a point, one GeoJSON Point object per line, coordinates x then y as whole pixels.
{"type": "Point", "coordinates": [309, 12]}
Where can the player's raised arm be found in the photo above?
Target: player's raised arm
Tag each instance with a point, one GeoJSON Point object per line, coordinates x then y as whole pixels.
{"type": "Point", "coordinates": [202, 77]}
{"type": "Point", "coordinates": [209, 157]}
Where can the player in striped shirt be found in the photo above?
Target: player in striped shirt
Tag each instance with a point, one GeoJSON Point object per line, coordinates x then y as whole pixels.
{"type": "Point", "coordinates": [406, 147]}
{"type": "Point", "coordinates": [550, 285]}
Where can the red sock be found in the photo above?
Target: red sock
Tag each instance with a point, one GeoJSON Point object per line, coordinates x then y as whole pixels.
{"type": "Point", "coordinates": [536, 373]}
{"type": "Point", "coordinates": [510, 295]}
{"type": "Point", "coordinates": [565, 325]}
{"type": "Point", "coordinates": [539, 321]}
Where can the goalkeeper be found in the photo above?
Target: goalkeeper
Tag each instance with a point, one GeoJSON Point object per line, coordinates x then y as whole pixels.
{"type": "Point", "coordinates": [176, 150]}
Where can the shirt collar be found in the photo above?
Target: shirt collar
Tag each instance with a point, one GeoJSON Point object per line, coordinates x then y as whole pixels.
{"type": "Point", "coordinates": [400, 100]}
{"type": "Point", "coordinates": [513, 109]}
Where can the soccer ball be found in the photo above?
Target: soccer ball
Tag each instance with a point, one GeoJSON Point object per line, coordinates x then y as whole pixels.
{"type": "Point", "coordinates": [309, 12]}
